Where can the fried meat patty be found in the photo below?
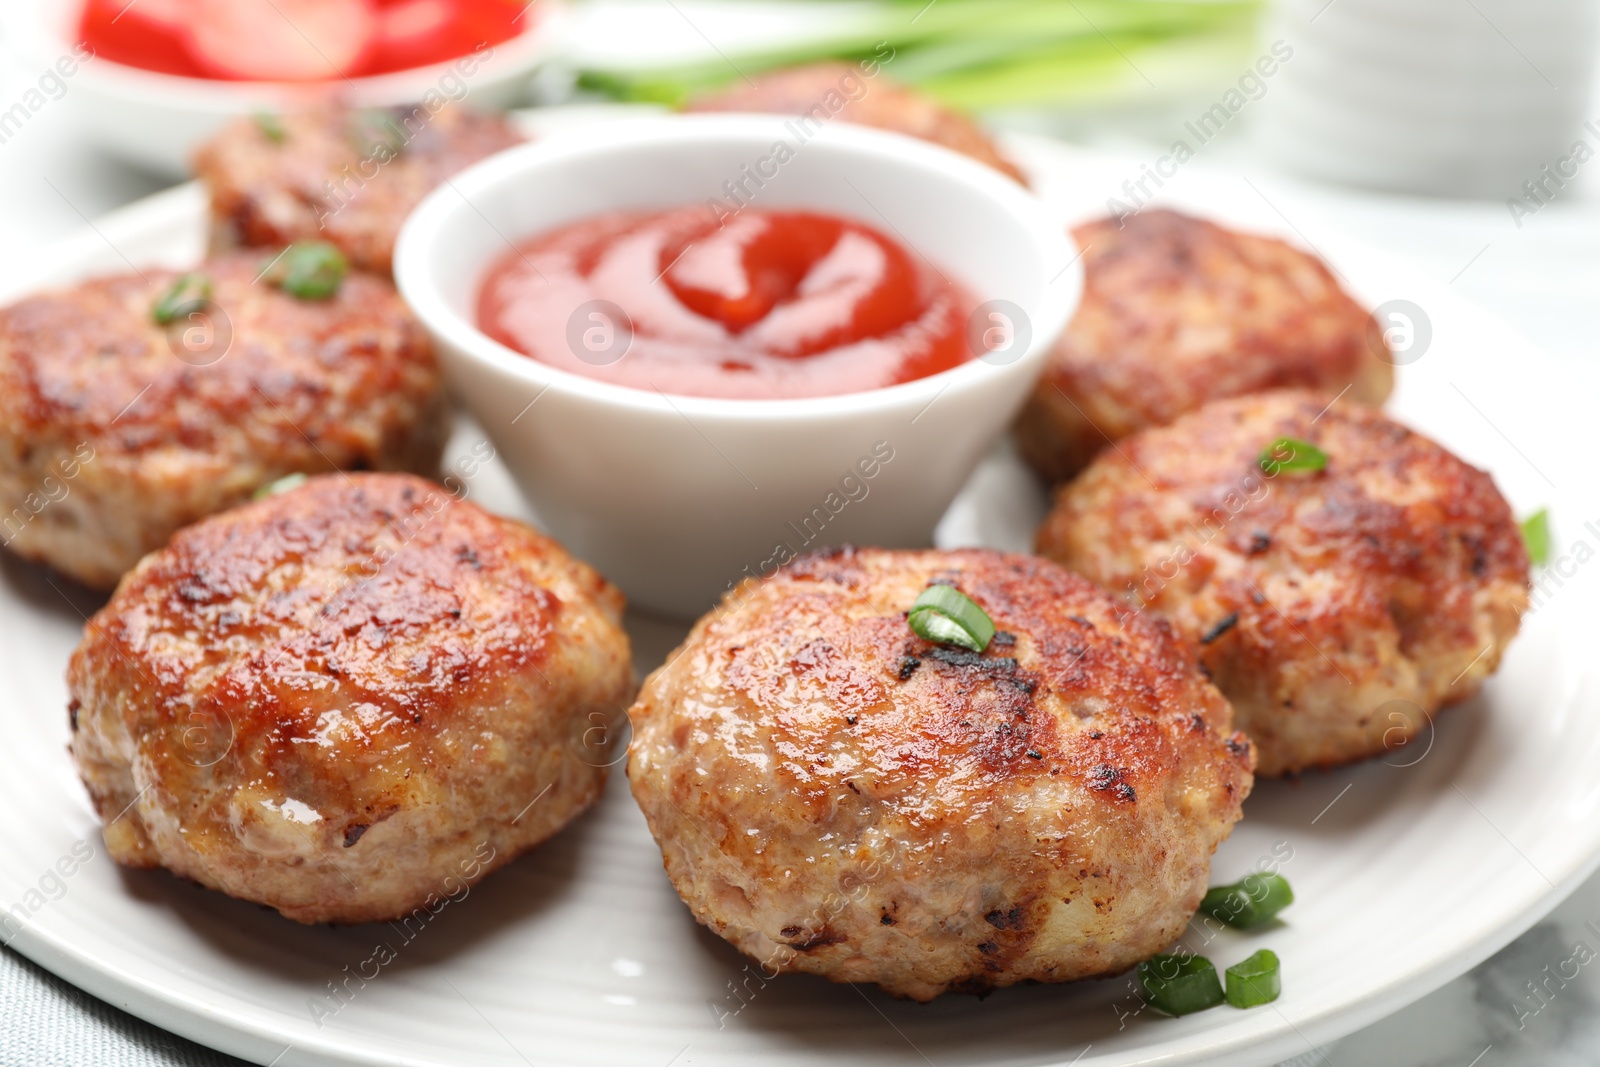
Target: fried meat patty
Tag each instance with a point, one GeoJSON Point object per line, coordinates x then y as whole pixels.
{"type": "Point", "coordinates": [115, 432]}
{"type": "Point", "coordinates": [1177, 311]}
{"type": "Point", "coordinates": [349, 700]}
{"type": "Point", "coordinates": [834, 794]}
{"type": "Point", "coordinates": [1339, 609]}
{"type": "Point", "coordinates": [346, 175]}
{"type": "Point", "coordinates": [827, 91]}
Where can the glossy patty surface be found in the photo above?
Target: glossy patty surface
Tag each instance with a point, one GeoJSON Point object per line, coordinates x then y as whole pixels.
{"type": "Point", "coordinates": [115, 432]}
{"type": "Point", "coordinates": [1178, 311]}
{"type": "Point", "coordinates": [839, 91]}
{"type": "Point", "coordinates": [1338, 609]}
{"type": "Point", "coordinates": [350, 176]}
{"type": "Point", "coordinates": [349, 700]}
{"type": "Point", "coordinates": [834, 794]}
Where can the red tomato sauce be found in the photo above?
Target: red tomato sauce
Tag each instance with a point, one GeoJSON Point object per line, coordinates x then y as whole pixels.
{"type": "Point", "coordinates": [766, 305]}
{"type": "Point", "coordinates": [295, 40]}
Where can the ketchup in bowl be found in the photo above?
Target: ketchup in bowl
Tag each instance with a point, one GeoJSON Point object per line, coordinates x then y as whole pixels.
{"type": "Point", "coordinates": [765, 305]}
{"type": "Point", "coordinates": [295, 40]}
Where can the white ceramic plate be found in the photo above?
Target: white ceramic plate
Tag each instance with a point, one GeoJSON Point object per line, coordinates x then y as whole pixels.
{"type": "Point", "coordinates": [582, 954]}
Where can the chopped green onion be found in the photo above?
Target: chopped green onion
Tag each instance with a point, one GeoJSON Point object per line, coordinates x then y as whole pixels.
{"type": "Point", "coordinates": [282, 485]}
{"type": "Point", "coordinates": [271, 127]}
{"type": "Point", "coordinates": [310, 270]}
{"type": "Point", "coordinates": [1180, 984]}
{"type": "Point", "coordinates": [1255, 981]}
{"type": "Point", "coordinates": [189, 293]}
{"type": "Point", "coordinates": [377, 131]}
{"type": "Point", "coordinates": [1251, 901]}
{"type": "Point", "coordinates": [935, 627]}
{"type": "Point", "coordinates": [1292, 454]}
{"type": "Point", "coordinates": [1536, 535]}
{"type": "Point", "coordinates": [983, 53]}
{"type": "Point", "coordinates": [943, 614]}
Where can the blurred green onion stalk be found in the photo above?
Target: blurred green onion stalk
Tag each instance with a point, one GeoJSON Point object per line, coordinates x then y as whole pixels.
{"type": "Point", "coordinates": [989, 54]}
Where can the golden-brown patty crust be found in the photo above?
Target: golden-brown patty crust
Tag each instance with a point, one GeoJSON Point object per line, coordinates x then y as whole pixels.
{"type": "Point", "coordinates": [349, 700]}
{"type": "Point", "coordinates": [1337, 609]}
{"type": "Point", "coordinates": [1178, 311]}
{"type": "Point", "coordinates": [115, 431]}
{"type": "Point", "coordinates": [346, 175]}
{"type": "Point", "coordinates": [840, 91]}
{"type": "Point", "coordinates": [834, 794]}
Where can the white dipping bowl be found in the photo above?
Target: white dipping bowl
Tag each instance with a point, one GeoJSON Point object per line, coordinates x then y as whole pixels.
{"type": "Point", "coordinates": [676, 498]}
{"type": "Point", "coordinates": [157, 120]}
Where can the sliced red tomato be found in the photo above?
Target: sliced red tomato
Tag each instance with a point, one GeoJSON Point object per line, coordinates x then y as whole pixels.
{"type": "Point", "coordinates": [281, 40]}
{"type": "Point", "coordinates": [168, 14]}
{"type": "Point", "coordinates": [136, 36]}
{"type": "Point", "coordinates": [415, 33]}
{"type": "Point", "coordinates": [297, 40]}
{"type": "Point", "coordinates": [410, 20]}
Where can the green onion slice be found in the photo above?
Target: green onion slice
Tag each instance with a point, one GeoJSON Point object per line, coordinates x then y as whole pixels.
{"type": "Point", "coordinates": [1180, 984]}
{"type": "Point", "coordinates": [271, 126]}
{"type": "Point", "coordinates": [945, 615]}
{"type": "Point", "coordinates": [1536, 535]}
{"type": "Point", "coordinates": [1251, 901]}
{"type": "Point", "coordinates": [1292, 454]}
{"type": "Point", "coordinates": [310, 270]}
{"type": "Point", "coordinates": [282, 485]}
{"type": "Point", "coordinates": [1255, 981]}
{"type": "Point", "coordinates": [189, 293]}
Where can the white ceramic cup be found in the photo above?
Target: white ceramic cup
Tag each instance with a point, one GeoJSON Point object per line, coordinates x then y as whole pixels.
{"type": "Point", "coordinates": [1455, 97]}
{"type": "Point", "coordinates": [157, 120]}
{"type": "Point", "coordinates": [676, 498]}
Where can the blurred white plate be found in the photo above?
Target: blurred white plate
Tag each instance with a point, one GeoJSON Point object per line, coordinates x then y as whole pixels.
{"type": "Point", "coordinates": [582, 954]}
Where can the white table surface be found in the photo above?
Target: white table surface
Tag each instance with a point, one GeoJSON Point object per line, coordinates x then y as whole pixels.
{"type": "Point", "coordinates": [1543, 278]}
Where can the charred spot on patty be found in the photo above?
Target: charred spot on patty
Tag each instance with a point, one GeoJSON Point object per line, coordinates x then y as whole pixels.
{"type": "Point", "coordinates": [821, 939]}
{"type": "Point", "coordinates": [1104, 776]}
{"type": "Point", "coordinates": [960, 657]}
{"type": "Point", "coordinates": [1223, 626]}
{"type": "Point", "coordinates": [1011, 919]}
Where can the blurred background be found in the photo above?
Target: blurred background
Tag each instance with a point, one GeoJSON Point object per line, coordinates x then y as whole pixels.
{"type": "Point", "coordinates": [1457, 132]}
